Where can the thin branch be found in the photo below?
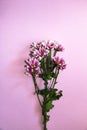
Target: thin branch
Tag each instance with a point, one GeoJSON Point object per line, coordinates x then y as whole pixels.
{"type": "Point", "coordinates": [54, 79]}
{"type": "Point", "coordinates": [36, 89]}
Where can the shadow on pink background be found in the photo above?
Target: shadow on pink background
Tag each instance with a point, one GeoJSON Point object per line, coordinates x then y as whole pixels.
{"type": "Point", "coordinates": [24, 21]}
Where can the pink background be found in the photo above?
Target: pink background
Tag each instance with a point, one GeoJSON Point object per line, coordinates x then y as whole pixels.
{"type": "Point", "coordinates": [23, 21]}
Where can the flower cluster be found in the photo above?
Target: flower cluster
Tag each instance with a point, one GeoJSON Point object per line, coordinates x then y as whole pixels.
{"type": "Point", "coordinates": [41, 50]}
{"type": "Point", "coordinates": [44, 62]}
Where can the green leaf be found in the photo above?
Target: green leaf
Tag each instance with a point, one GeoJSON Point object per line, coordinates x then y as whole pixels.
{"type": "Point", "coordinates": [48, 61]}
{"type": "Point", "coordinates": [43, 64]}
{"type": "Point", "coordinates": [54, 94]}
{"type": "Point", "coordinates": [49, 106]}
{"type": "Point", "coordinates": [54, 75]}
{"type": "Point", "coordinates": [48, 76]}
{"type": "Point", "coordinates": [45, 76]}
{"type": "Point", "coordinates": [43, 92]}
{"type": "Point", "coordinates": [52, 91]}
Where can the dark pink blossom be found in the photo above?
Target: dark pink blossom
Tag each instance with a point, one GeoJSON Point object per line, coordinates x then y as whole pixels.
{"type": "Point", "coordinates": [42, 52]}
{"type": "Point", "coordinates": [34, 71]}
{"type": "Point", "coordinates": [56, 60]}
{"type": "Point", "coordinates": [59, 47]}
{"type": "Point", "coordinates": [34, 63]}
{"type": "Point", "coordinates": [40, 45]}
{"type": "Point", "coordinates": [38, 50]}
{"type": "Point", "coordinates": [50, 44]}
{"type": "Point", "coordinates": [39, 53]}
{"type": "Point", "coordinates": [63, 65]}
{"type": "Point", "coordinates": [34, 54]}
{"type": "Point", "coordinates": [33, 45]}
{"type": "Point", "coordinates": [60, 62]}
{"type": "Point", "coordinates": [34, 66]}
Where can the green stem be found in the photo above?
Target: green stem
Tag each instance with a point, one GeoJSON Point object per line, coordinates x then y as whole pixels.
{"type": "Point", "coordinates": [44, 114]}
{"type": "Point", "coordinates": [54, 53]}
{"type": "Point", "coordinates": [54, 79]}
{"type": "Point", "coordinates": [44, 108]}
{"type": "Point", "coordinates": [39, 100]}
{"type": "Point", "coordinates": [45, 122]}
{"type": "Point", "coordinates": [36, 89]}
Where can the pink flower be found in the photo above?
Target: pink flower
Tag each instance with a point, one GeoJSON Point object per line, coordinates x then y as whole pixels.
{"type": "Point", "coordinates": [33, 71]}
{"type": "Point", "coordinates": [34, 63]}
{"type": "Point", "coordinates": [33, 66]}
{"type": "Point", "coordinates": [33, 45]}
{"type": "Point", "coordinates": [56, 60]}
{"type": "Point", "coordinates": [38, 50]}
{"type": "Point", "coordinates": [50, 44]}
{"type": "Point", "coordinates": [42, 52]}
{"type": "Point", "coordinates": [60, 62]}
{"type": "Point", "coordinates": [40, 45]}
{"type": "Point", "coordinates": [39, 54]}
{"type": "Point", "coordinates": [34, 54]}
{"type": "Point", "coordinates": [59, 47]}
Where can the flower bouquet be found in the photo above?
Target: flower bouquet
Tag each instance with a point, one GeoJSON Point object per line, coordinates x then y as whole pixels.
{"type": "Point", "coordinates": [44, 63]}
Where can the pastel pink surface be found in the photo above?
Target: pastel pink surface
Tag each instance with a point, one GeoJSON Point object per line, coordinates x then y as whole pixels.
{"type": "Point", "coordinates": [24, 21]}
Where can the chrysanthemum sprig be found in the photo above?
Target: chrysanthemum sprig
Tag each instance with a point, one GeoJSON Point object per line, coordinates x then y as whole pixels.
{"type": "Point", "coordinates": [44, 63]}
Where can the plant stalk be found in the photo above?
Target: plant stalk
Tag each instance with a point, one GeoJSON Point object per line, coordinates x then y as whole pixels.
{"type": "Point", "coordinates": [44, 108]}
{"type": "Point", "coordinates": [45, 123]}
{"type": "Point", "coordinates": [54, 79]}
{"type": "Point", "coordinates": [44, 114]}
{"type": "Point", "coordinates": [36, 89]}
